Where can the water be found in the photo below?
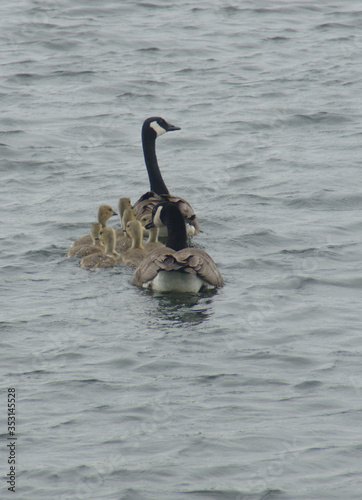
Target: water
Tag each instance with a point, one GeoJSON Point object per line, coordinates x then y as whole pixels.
{"type": "Point", "coordinates": [254, 392]}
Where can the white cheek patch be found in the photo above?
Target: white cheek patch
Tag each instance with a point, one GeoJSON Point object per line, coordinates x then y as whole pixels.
{"type": "Point", "coordinates": [157, 218]}
{"type": "Point", "coordinates": [157, 128]}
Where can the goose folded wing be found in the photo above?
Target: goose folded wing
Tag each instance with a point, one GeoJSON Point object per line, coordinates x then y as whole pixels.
{"type": "Point", "coordinates": [149, 200]}
{"type": "Point", "coordinates": [185, 208]}
{"type": "Point", "coordinates": [183, 205]}
{"type": "Point", "coordinates": [196, 261]}
{"type": "Point", "coordinates": [145, 204]}
{"type": "Point", "coordinates": [160, 259]}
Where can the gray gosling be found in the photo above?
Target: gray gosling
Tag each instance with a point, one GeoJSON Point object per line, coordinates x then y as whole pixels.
{"type": "Point", "coordinates": [95, 247]}
{"type": "Point", "coordinates": [108, 258]}
{"type": "Point", "coordinates": [134, 255]}
{"type": "Point", "coordinates": [104, 213]}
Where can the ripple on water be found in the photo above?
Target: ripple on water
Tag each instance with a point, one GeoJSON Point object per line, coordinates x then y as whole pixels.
{"type": "Point", "coordinates": [252, 392]}
{"type": "Point", "coordinates": [326, 200]}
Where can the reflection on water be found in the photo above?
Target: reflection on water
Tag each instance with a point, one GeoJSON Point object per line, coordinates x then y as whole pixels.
{"type": "Point", "coordinates": [180, 308]}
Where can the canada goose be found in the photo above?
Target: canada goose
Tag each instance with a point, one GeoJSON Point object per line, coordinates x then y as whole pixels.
{"type": "Point", "coordinates": [134, 255]}
{"type": "Point", "coordinates": [95, 247]}
{"type": "Point", "coordinates": [152, 128]}
{"type": "Point", "coordinates": [109, 257]}
{"type": "Point", "coordinates": [124, 240]}
{"type": "Point", "coordinates": [104, 213]}
{"type": "Point", "coordinates": [176, 268]}
{"type": "Point", "coordinates": [152, 241]}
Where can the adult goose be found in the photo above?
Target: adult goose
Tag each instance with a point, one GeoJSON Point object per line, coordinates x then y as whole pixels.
{"type": "Point", "coordinates": [176, 268]}
{"type": "Point", "coordinates": [152, 128]}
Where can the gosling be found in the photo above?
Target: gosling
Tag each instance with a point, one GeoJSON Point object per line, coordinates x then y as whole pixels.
{"type": "Point", "coordinates": [134, 255]}
{"type": "Point", "coordinates": [104, 213]}
{"type": "Point", "coordinates": [95, 247]}
{"type": "Point", "coordinates": [108, 258]}
{"type": "Point", "coordinates": [123, 205]}
{"type": "Point", "coordinates": [124, 241]}
{"type": "Point", "coordinates": [152, 241]}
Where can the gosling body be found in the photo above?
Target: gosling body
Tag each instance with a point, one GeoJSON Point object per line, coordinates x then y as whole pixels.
{"type": "Point", "coordinates": [95, 247]}
{"type": "Point", "coordinates": [124, 240]}
{"type": "Point", "coordinates": [136, 253]}
{"type": "Point", "coordinates": [108, 258]}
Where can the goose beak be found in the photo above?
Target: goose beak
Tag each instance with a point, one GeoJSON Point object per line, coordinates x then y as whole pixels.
{"type": "Point", "coordinates": [172, 127]}
{"type": "Point", "coordinates": [150, 225]}
{"type": "Point", "coordinates": [114, 213]}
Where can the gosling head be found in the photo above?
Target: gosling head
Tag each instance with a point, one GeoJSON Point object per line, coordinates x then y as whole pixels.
{"type": "Point", "coordinates": [123, 204]}
{"type": "Point", "coordinates": [134, 228]}
{"type": "Point", "coordinates": [135, 232]}
{"type": "Point", "coordinates": [104, 213]}
{"type": "Point", "coordinates": [162, 213]}
{"type": "Point", "coordinates": [108, 238]}
{"type": "Point", "coordinates": [156, 126]}
{"type": "Point", "coordinates": [151, 231]}
{"type": "Point", "coordinates": [145, 219]}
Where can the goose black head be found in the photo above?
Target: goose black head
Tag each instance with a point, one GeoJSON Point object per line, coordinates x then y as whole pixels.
{"type": "Point", "coordinates": [156, 126]}
{"type": "Point", "coordinates": [156, 220]}
{"type": "Point", "coordinates": [162, 213]}
{"type": "Point", "coordinates": [156, 210]}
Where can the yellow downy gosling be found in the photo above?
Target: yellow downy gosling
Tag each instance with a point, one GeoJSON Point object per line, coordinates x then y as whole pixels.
{"type": "Point", "coordinates": [134, 255]}
{"type": "Point", "coordinates": [95, 247]}
{"type": "Point", "coordinates": [104, 213]}
{"type": "Point", "coordinates": [109, 258]}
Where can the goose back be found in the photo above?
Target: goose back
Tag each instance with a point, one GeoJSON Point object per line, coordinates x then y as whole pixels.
{"type": "Point", "coordinates": [188, 261]}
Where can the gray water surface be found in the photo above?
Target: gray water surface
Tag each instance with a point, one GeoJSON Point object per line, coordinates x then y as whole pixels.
{"type": "Point", "coordinates": [251, 393]}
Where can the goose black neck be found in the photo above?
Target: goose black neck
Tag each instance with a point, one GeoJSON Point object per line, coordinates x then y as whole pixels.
{"type": "Point", "coordinates": [157, 184]}
{"type": "Point", "coordinates": [176, 228]}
